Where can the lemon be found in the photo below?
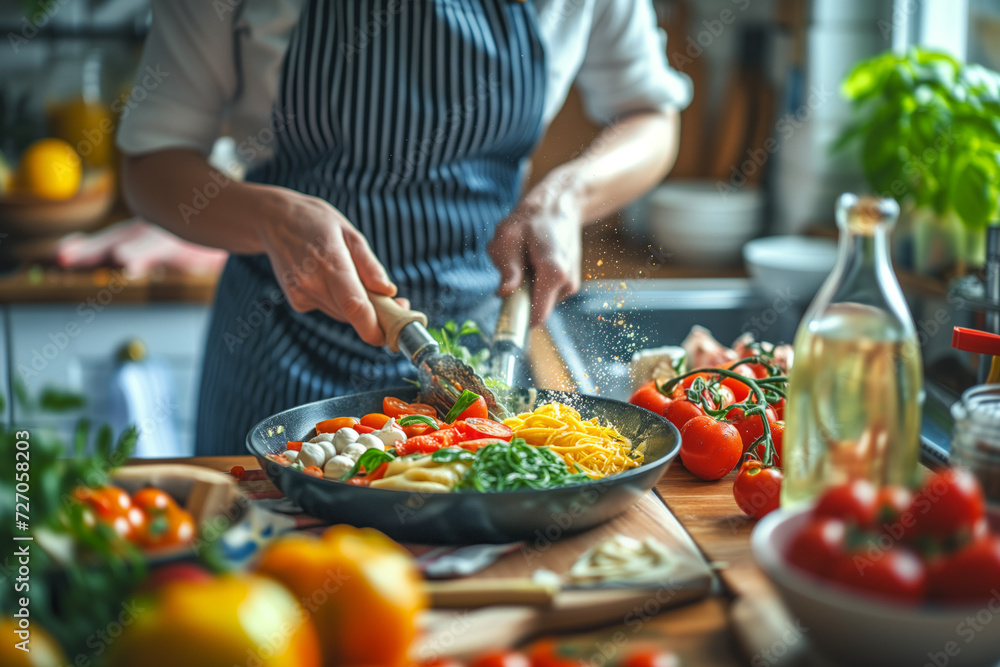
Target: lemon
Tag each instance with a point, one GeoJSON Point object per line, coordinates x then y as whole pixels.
{"type": "Point", "coordinates": [50, 168]}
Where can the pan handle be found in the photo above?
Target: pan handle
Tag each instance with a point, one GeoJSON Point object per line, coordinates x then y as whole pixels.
{"type": "Point", "coordinates": [392, 318]}
{"type": "Point", "coordinates": [515, 315]}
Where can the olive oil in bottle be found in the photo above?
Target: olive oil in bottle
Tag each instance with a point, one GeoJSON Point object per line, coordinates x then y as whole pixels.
{"type": "Point", "coordinates": [856, 384]}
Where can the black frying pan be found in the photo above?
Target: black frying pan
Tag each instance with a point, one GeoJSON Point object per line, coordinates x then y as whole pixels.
{"type": "Point", "coordinates": [467, 518]}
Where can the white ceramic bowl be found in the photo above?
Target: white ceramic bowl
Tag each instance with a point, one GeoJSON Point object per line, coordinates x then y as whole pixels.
{"type": "Point", "coordinates": [795, 266]}
{"type": "Point", "coordinates": [697, 223]}
{"type": "Point", "coordinates": [859, 630]}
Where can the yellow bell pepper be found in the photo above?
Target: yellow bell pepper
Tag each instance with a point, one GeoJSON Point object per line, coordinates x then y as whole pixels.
{"type": "Point", "coordinates": [363, 591]}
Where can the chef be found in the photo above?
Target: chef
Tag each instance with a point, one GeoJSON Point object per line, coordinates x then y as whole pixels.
{"type": "Point", "coordinates": [385, 144]}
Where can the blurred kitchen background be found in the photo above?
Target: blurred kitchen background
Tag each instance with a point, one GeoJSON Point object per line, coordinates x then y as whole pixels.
{"type": "Point", "coordinates": [99, 304]}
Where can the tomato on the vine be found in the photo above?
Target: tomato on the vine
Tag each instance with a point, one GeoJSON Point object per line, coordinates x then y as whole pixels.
{"type": "Point", "coordinates": [779, 408]}
{"type": "Point", "coordinates": [750, 427]}
{"type": "Point", "coordinates": [777, 437]}
{"type": "Point", "coordinates": [895, 573]}
{"type": "Point", "coordinates": [707, 378]}
{"type": "Point", "coordinates": [949, 503]}
{"type": "Point", "coordinates": [710, 449]}
{"type": "Point", "coordinates": [757, 489]}
{"type": "Point", "coordinates": [850, 502]}
{"type": "Point", "coordinates": [649, 397]}
{"type": "Point", "coordinates": [681, 411]}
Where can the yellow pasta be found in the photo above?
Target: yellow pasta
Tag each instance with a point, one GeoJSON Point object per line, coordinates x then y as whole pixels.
{"type": "Point", "coordinates": [597, 450]}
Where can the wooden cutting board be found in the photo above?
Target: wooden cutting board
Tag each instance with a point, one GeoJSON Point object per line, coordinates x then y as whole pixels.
{"type": "Point", "coordinates": [462, 633]}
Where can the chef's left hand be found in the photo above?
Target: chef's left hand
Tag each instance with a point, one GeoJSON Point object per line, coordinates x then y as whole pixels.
{"type": "Point", "coordinates": [541, 238]}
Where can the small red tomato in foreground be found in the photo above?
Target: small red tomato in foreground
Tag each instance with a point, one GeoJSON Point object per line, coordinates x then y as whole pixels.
{"type": "Point", "coordinates": [950, 502]}
{"type": "Point", "coordinates": [818, 546]}
{"type": "Point", "coordinates": [971, 575]}
{"type": "Point", "coordinates": [649, 397]}
{"type": "Point", "coordinates": [501, 659]}
{"type": "Point", "coordinates": [850, 502]}
{"type": "Point", "coordinates": [652, 658]}
{"type": "Point", "coordinates": [895, 573]}
{"type": "Point", "coordinates": [477, 410]}
{"type": "Point", "coordinates": [757, 489]}
{"type": "Point", "coordinates": [710, 449]}
{"type": "Point", "coordinates": [681, 411]}
{"type": "Point", "coordinates": [477, 428]}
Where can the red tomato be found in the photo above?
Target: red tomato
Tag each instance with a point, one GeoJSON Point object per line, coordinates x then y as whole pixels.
{"type": "Point", "coordinates": [294, 445]}
{"type": "Point", "coordinates": [313, 471]}
{"type": "Point", "coordinates": [501, 659]}
{"type": "Point", "coordinates": [710, 449]}
{"type": "Point", "coordinates": [649, 397]}
{"type": "Point", "coordinates": [777, 437]}
{"type": "Point", "coordinates": [335, 424]}
{"type": "Point", "coordinates": [652, 658]}
{"type": "Point", "coordinates": [425, 444]}
{"type": "Point", "coordinates": [375, 420]}
{"type": "Point", "coordinates": [779, 408]}
{"type": "Point", "coordinates": [477, 429]}
{"type": "Point", "coordinates": [949, 503]}
{"type": "Point", "coordinates": [418, 429]}
{"type": "Point", "coordinates": [546, 653]}
{"type": "Point", "coordinates": [477, 410]}
{"type": "Point", "coordinates": [969, 576]}
{"type": "Point", "coordinates": [361, 430]}
{"type": "Point", "coordinates": [740, 390]}
{"type": "Point", "coordinates": [853, 502]}
{"type": "Point", "coordinates": [818, 546]}
{"type": "Point", "coordinates": [750, 428]}
{"type": "Point", "coordinates": [151, 499]}
{"type": "Point", "coordinates": [707, 378]}
{"type": "Point", "coordinates": [757, 489]}
{"type": "Point", "coordinates": [681, 411]}
{"type": "Point", "coordinates": [170, 528]}
{"type": "Point", "coordinates": [759, 370]}
{"type": "Point", "coordinates": [108, 502]}
{"type": "Point", "coordinates": [396, 408]}
{"type": "Point", "coordinates": [473, 445]}
{"type": "Point", "coordinates": [896, 573]}
{"type": "Point", "coordinates": [725, 394]}
{"type": "Point", "coordinates": [891, 503]}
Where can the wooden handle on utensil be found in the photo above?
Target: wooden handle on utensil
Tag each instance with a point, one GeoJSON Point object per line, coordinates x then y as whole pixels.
{"type": "Point", "coordinates": [486, 592]}
{"type": "Point", "coordinates": [515, 316]}
{"type": "Point", "coordinates": [392, 317]}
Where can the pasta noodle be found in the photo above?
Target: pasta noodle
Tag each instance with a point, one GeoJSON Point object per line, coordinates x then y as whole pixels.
{"type": "Point", "coordinates": [596, 449]}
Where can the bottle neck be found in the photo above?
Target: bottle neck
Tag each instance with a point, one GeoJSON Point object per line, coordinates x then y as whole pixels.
{"type": "Point", "coordinates": [866, 252]}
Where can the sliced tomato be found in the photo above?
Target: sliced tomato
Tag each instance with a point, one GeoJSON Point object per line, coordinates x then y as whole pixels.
{"type": "Point", "coordinates": [294, 445]}
{"type": "Point", "coordinates": [475, 428]}
{"type": "Point", "coordinates": [396, 408]}
{"type": "Point", "coordinates": [432, 442]}
{"type": "Point", "coordinates": [335, 424]}
{"type": "Point", "coordinates": [374, 420]}
{"type": "Point", "coordinates": [477, 410]}
{"type": "Point", "coordinates": [473, 445]}
{"type": "Point", "coordinates": [313, 471]}
{"type": "Point", "coordinates": [361, 430]}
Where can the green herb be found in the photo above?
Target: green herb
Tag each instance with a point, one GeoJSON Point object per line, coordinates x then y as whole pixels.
{"type": "Point", "coordinates": [517, 465]}
{"type": "Point", "coordinates": [410, 420]}
{"type": "Point", "coordinates": [928, 130]}
{"type": "Point", "coordinates": [371, 459]}
{"type": "Point", "coordinates": [449, 339]}
{"type": "Point", "coordinates": [449, 454]}
{"type": "Point", "coordinates": [463, 403]}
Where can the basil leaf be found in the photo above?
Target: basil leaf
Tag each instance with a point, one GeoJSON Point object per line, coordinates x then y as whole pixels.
{"type": "Point", "coordinates": [410, 420]}
{"type": "Point", "coordinates": [461, 405]}
{"type": "Point", "coordinates": [371, 459]}
{"type": "Point", "coordinates": [449, 454]}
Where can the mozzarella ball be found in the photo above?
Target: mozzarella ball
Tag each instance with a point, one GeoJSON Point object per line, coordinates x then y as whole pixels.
{"type": "Point", "coordinates": [353, 451]}
{"type": "Point", "coordinates": [328, 449]}
{"type": "Point", "coordinates": [337, 466]}
{"type": "Point", "coordinates": [389, 436]}
{"type": "Point", "coordinates": [371, 442]}
{"type": "Point", "coordinates": [312, 454]}
{"type": "Point", "coordinates": [323, 437]}
{"type": "Point", "coordinates": [343, 438]}
{"type": "Point", "coordinates": [291, 455]}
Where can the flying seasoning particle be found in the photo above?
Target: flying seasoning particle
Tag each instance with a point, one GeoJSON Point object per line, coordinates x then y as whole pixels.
{"type": "Point", "coordinates": [623, 285]}
{"type": "Point", "coordinates": [600, 262]}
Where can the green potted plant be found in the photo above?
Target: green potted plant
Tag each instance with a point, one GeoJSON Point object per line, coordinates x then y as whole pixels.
{"type": "Point", "coordinates": [927, 131]}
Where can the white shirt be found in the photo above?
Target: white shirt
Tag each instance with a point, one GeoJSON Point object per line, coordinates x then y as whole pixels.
{"type": "Point", "coordinates": [207, 78]}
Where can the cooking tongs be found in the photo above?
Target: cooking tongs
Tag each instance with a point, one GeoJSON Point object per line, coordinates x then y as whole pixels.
{"type": "Point", "coordinates": [442, 377]}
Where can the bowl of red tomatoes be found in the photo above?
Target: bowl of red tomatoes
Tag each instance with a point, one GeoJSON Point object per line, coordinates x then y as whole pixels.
{"type": "Point", "coordinates": [891, 576]}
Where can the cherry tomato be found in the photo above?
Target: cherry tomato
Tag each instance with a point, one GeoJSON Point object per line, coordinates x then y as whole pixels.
{"type": "Point", "coordinates": [108, 502]}
{"type": "Point", "coordinates": [971, 575]}
{"type": "Point", "coordinates": [707, 378]}
{"type": "Point", "coordinates": [313, 471]}
{"type": "Point", "coordinates": [473, 445]}
{"type": "Point", "coordinates": [294, 445]}
{"type": "Point", "coordinates": [949, 503]}
{"type": "Point", "coordinates": [238, 472]}
{"type": "Point", "coordinates": [418, 429]}
{"type": "Point", "coordinates": [396, 408]}
{"type": "Point", "coordinates": [740, 389]}
{"type": "Point", "coordinates": [896, 573]}
{"type": "Point", "coordinates": [759, 370]}
{"type": "Point", "coordinates": [477, 410]}
{"type": "Point", "coordinates": [757, 489]}
{"type": "Point", "coordinates": [476, 429]}
{"type": "Point", "coordinates": [651, 658]}
{"type": "Point", "coordinates": [710, 449]}
{"type": "Point", "coordinates": [152, 499]}
{"type": "Point", "coordinates": [726, 396]}
{"type": "Point", "coordinates": [681, 411]}
{"type": "Point", "coordinates": [818, 545]}
{"type": "Point", "coordinates": [167, 528]}
{"type": "Point", "coordinates": [779, 408]}
{"type": "Point", "coordinates": [361, 430]}
{"type": "Point", "coordinates": [425, 444]}
{"type": "Point", "coordinates": [335, 424]}
{"type": "Point", "coordinates": [649, 397]}
{"type": "Point", "coordinates": [546, 653]}
{"type": "Point", "coordinates": [501, 659]}
{"type": "Point", "coordinates": [777, 437]}
{"type": "Point", "coordinates": [375, 420]}
{"type": "Point", "coordinates": [750, 428]}
{"type": "Point", "coordinates": [891, 503]}
{"type": "Point", "coordinates": [853, 502]}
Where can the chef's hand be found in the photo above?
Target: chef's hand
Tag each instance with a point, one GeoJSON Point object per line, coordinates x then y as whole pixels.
{"type": "Point", "coordinates": [541, 237]}
{"type": "Point", "coordinates": [323, 262]}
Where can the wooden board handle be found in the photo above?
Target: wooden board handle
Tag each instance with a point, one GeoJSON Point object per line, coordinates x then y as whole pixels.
{"type": "Point", "coordinates": [392, 318]}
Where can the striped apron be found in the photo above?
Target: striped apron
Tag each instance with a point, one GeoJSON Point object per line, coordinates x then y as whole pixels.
{"type": "Point", "coordinates": [412, 118]}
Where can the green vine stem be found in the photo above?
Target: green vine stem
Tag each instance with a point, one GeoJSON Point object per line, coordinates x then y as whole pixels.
{"type": "Point", "coordinates": [761, 389]}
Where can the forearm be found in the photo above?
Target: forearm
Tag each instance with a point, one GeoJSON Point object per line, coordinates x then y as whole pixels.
{"type": "Point", "coordinates": [178, 190]}
{"type": "Point", "coordinates": [625, 161]}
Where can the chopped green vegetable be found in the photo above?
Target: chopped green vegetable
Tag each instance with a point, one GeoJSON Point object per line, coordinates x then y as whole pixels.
{"type": "Point", "coordinates": [370, 460]}
{"type": "Point", "coordinates": [461, 405]}
{"type": "Point", "coordinates": [449, 454]}
{"type": "Point", "coordinates": [410, 420]}
{"type": "Point", "coordinates": [517, 465]}
{"type": "Point", "coordinates": [449, 338]}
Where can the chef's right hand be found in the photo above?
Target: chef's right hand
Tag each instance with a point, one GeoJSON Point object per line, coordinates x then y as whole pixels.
{"type": "Point", "coordinates": [322, 261]}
